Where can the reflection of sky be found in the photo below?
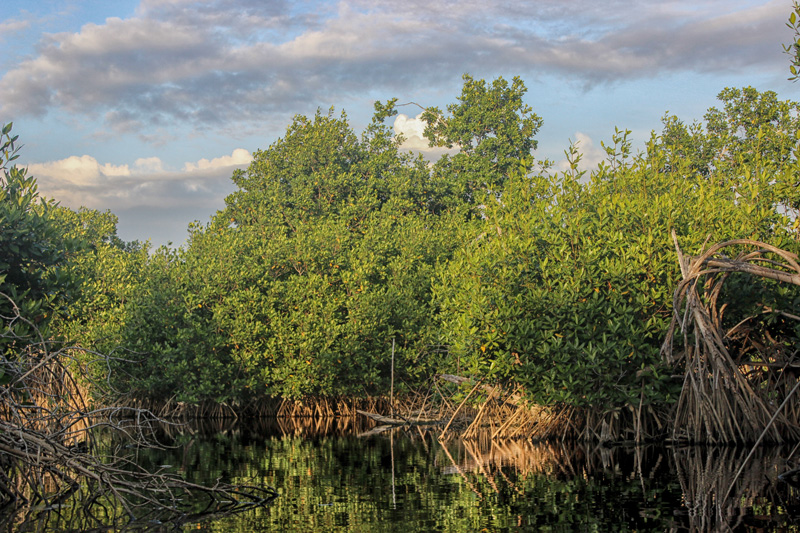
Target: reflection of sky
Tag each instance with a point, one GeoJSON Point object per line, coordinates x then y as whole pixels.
{"type": "Point", "coordinates": [147, 89]}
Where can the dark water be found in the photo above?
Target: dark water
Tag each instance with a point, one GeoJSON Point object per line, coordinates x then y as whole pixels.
{"type": "Point", "coordinates": [331, 479]}
{"type": "Point", "coordinates": [333, 475]}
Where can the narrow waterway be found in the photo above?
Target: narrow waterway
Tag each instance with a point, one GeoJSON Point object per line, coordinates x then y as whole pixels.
{"type": "Point", "coordinates": [331, 476]}
{"type": "Point", "coordinates": [338, 475]}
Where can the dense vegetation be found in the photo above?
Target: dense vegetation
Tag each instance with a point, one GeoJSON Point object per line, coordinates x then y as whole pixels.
{"type": "Point", "coordinates": [486, 263]}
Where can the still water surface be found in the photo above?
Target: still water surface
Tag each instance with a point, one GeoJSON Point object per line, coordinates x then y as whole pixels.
{"type": "Point", "coordinates": [332, 477]}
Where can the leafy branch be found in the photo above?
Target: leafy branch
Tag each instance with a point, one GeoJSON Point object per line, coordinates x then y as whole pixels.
{"type": "Point", "coordinates": [793, 50]}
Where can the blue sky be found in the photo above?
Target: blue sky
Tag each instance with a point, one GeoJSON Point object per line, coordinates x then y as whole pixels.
{"type": "Point", "coordinates": [146, 107]}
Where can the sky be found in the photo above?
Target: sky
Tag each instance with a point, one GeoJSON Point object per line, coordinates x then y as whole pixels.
{"type": "Point", "coordinates": [146, 107]}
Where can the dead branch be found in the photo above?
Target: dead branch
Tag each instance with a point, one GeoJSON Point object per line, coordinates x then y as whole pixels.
{"type": "Point", "coordinates": [56, 453]}
{"type": "Point", "coordinates": [513, 398]}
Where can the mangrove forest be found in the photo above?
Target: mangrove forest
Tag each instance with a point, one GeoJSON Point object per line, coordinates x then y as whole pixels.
{"type": "Point", "coordinates": [655, 297]}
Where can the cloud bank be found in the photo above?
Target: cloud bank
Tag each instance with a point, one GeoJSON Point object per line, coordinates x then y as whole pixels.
{"type": "Point", "coordinates": [216, 62]}
{"type": "Point", "coordinates": [85, 182]}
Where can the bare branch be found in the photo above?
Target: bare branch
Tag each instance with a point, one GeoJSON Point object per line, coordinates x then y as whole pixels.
{"type": "Point", "coordinates": [53, 456]}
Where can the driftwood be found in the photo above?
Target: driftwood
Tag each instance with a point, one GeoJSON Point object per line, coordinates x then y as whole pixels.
{"type": "Point", "coordinates": [492, 390]}
{"type": "Point", "coordinates": [386, 423]}
{"type": "Point", "coordinates": [389, 421]}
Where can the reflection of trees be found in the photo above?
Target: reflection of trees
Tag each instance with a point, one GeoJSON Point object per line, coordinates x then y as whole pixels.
{"type": "Point", "coordinates": [706, 475]}
{"type": "Point", "coordinates": [697, 503]}
{"type": "Point", "coordinates": [329, 479]}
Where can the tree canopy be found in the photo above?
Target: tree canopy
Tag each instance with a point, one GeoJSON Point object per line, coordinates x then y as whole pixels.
{"type": "Point", "coordinates": [337, 246]}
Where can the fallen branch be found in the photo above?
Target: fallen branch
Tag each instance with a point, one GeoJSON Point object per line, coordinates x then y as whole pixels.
{"type": "Point", "coordinates": [52, 458]}
{"type": "Point", "coordinates": [389, 421]}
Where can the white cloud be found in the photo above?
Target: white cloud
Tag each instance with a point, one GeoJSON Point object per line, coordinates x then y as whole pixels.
{"type": "Point", "coordinates": [83, 181]}
{"type": "Point", "coordinates": [239, 157]}
{"type": "Point", "coordinates": [82, 171]}
{"type": "Point", "coordinates": [412, 130]}
{"type": "Point", "coordinates": [12, 26]}
{"type": "Point", "coordinates": [591, 155]}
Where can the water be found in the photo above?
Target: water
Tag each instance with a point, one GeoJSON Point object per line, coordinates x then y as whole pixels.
{"type": "Point", "coordinates": [333, 475]}
{"type": "Point", "coordinates": [331, 479]}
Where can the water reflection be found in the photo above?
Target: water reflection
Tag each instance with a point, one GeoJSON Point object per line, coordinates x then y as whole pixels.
{"type": "Point", "coordinates": [337, 475]}
{"type": "Point", "coordinates": [329, 478]}
{"type": "Point", "coordinates": [715, 497]}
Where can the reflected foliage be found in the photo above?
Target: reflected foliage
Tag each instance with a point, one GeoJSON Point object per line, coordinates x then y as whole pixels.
{"type": "Point", "coordinates": [408, 481]}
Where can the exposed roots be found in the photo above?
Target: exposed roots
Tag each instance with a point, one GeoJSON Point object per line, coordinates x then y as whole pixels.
{"type": "Point", "coordinates": [505, 414]}
{"type": "Point", "coordinates": [59, 453]}
{"type": "Point", "coordinates": [315, 407]}
{"type": "Point", "coordinates": [736, 381]}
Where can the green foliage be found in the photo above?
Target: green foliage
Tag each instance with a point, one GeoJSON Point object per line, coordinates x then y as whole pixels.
{"type": "Point", "coordinates": [793, 50]}
{"type": "Point", "coordinates": [334, 245]}
{"type": "Point", "coordinates": [493, 130]}
{"type": "Point", "coordinates": [748, 148]}
{"type": "Point", "coordinates": [753, 130]}
{"type": "Point", "coordinates": [29, 245]}
{"type": "Point", "coordinates": [127, 304]}
{"type": "Point", "coordinates": [568, 288]}
{"type": "Point", "coordinates": [323, 256]}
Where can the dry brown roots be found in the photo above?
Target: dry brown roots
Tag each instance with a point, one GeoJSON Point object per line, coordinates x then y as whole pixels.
{"type": "Point", "coordinates": [56, 454]}
{"type": "Point", "coordinates": [740, 397]}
